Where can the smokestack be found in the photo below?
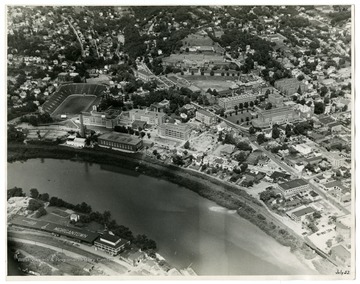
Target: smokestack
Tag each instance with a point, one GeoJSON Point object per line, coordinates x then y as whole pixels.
{"type": "Point", "coordinates": [82, 129]}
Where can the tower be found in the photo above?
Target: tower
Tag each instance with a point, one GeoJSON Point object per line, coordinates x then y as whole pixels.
{"type": "Point", "coordinates": [82, 128]}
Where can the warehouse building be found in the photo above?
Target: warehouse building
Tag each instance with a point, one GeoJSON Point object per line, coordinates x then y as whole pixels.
{"type": "Point", "coordinates": [120, 141]}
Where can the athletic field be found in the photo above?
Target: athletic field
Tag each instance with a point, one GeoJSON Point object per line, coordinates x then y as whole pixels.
{"type": "Point", "coordinates": [75, 104]}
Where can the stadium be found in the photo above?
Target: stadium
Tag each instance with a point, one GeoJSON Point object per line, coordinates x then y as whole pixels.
{"type": "Point", "coordinates": [71, 99]}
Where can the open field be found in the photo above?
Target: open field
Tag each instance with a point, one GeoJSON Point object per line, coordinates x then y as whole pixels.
{"type": "Point", "coordinates": [205, 84]}
{"type": "Point", "coordinates": [75, 104]}
{"type": "Point", "coordinates": [241, 117]}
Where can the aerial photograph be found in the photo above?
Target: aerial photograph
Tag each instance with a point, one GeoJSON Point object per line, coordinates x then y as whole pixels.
{"type": "Point", "coordinates": [179, 142]}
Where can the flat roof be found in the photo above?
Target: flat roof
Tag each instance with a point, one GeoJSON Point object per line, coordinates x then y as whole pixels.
{"type": "Point", "coordinates": [173, 126]}
{"type": "Point", "coordinates": [242, 96]}
{"type": "Point", "coordinates": [303, 211]}
{"type": "Point", "coordinates": [75, 233]}
{"type": "Point", "coordinates": [326, 119]}
{"type": "Point", "coordinates": [117, 245]}
{"type": "Point", "coordinates": [120, 137]}
{"type": "Point", "coordinates": [293, 184]}
{"type": "Point", "coordinates": [204, 112]}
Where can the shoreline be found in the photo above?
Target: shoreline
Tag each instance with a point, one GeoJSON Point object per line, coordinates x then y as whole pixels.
{"type": "Point", "coordinates": [223, 194]}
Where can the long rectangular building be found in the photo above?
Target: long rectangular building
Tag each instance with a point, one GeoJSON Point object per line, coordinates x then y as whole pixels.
{"type": "Point", "coordinates": [231, 102]}
{"type": "Point", "coordinates": [278, 115]}
{"type": "Point", "coordinates": [175, 131]}
{"type": "Point", "coordinates": [120, 141]}
{"type": "Point", "coordinates": [74, 233]}
{"type": "Point", "coordinates": [293, 187]}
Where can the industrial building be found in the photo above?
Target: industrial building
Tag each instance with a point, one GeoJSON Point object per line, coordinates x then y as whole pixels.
{"type": "Point", "coordinates": [120, 141]}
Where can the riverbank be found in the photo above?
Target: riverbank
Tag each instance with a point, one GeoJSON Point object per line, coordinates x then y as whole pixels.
{"type": "Point", "coordinates": [223, 194]}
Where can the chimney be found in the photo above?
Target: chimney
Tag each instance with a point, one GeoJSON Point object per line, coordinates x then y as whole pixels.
{"type": "Point", "coordinates": [82, 129]}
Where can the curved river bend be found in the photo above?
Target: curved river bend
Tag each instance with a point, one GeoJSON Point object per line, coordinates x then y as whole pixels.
{"type": "Point", "coordinates": [188, 229]}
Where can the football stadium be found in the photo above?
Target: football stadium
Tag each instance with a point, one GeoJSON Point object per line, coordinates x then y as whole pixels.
{"type": "Point", "coordinates": [74, 98]}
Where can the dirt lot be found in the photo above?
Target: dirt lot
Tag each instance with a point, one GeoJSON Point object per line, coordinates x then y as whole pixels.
{"type": "Point", "coordinates": [202, 143]}
{"type": "Point", "coordinates": [75, 104]}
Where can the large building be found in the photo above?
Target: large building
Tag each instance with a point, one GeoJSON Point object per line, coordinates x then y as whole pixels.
{"type": "Point", "coordinates": [144, 75]}
{"type": "Point", "coordinates": [108, 119]}
{"type": "Point", "coordinates": [205, 117]}
{"type": "Point", "coordinates": [150, 117]}
{"type": "Point", "coordinates": [335, 159]}
{"type": "Point", "coordinates": [110, 244]}
{"type": "Point", "coordinates": [290, 86]}
{"type": "Point", "coordinates": [120, 141]}
{"type": "Point", "coordinates": [77, 234]}
{"type": "Point", "coordinates": [276, 99]}
{"type": "Point", "coordinates": [272, 116]}
{"type": "Point", "coordinates": [175, 131]}
{"type": "Point", "coordinates": [231, 102]}
{"type": "Point", "coordinates": [293, 187]}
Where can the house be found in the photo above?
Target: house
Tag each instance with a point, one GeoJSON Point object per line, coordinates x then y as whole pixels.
{"type": "Point", "coordinates": [74, 217]}
{"type": "Point", "coordinates": [335, 126]}
{"type": "Point", "coordinates": [279, 176]}
{"type": "Point", "coordinates": [88, 267]}
{"type": "Point", "coordinates": [333, 185]}
{"type": "Point", "coordinates": [227, 149]}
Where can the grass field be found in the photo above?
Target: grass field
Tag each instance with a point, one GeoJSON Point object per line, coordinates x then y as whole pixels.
{"type": "Point", "coordinates": [213, 84]}
{"type": "Point", "coordinates": [75, 104]}
{"type": "Point", "coordinates": [234, 118]}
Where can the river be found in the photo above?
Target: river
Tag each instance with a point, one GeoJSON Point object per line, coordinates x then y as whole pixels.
{"type": "Point", "coordinates": [188, 229]}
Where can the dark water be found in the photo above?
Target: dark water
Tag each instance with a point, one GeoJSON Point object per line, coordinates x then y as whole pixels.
{"type": "Point", "coordinates": [188, 229]}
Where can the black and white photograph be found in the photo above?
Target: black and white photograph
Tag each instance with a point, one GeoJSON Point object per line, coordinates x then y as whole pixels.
{"type": "Point", "coordinates": [179, 141]}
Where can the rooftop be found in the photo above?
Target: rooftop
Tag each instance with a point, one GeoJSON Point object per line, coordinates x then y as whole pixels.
{"type": "Point", "coordinates": [79, 234]}
{"type": "Point", "coordinates": [303, 211]}
{"type": "Point", "coordinates": [120, 137]}
{"type": "Point", "coordinates": [204, 112]}
{"type": "Point", "coordinates": [173, 126]}
{"type": "Point", "coordinates": [293, 184]}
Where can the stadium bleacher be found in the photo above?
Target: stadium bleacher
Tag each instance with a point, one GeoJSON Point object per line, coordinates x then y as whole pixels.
{"type": "Point", "coordinates": [71, 89]}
